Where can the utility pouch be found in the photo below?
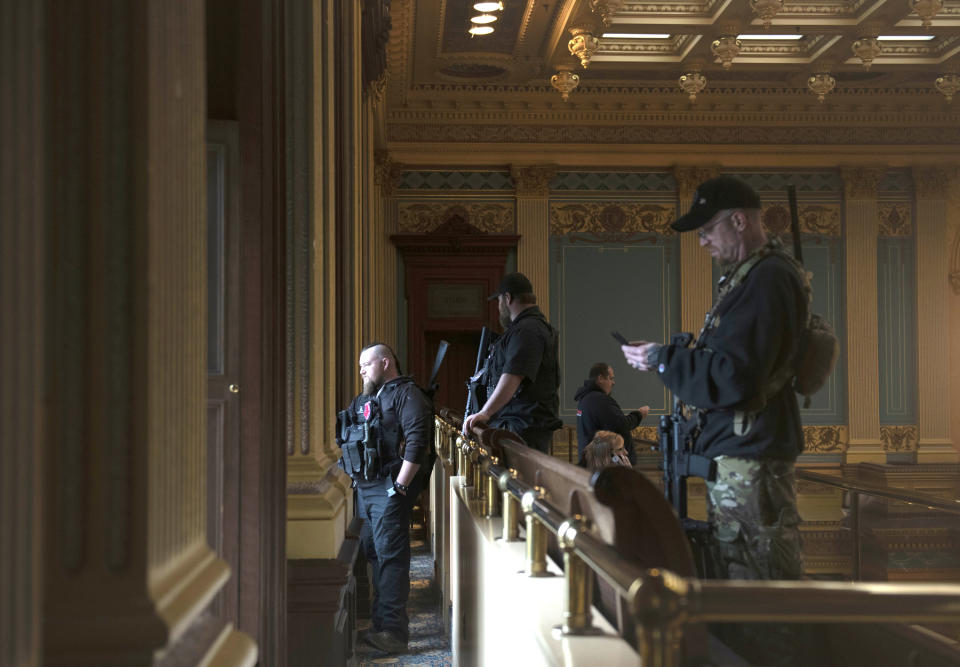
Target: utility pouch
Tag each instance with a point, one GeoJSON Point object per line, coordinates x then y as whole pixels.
{"type": "Point", "coordinates": [371, 461]}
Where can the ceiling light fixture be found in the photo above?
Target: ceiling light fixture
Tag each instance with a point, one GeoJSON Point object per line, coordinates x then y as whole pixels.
{"type": "Point", "coordinates": [926, 10]}
{"type": "Point", "coordinates": [483, 19]}
{"type": "Point", "coordinates": [770, 37]}
{"type": "Point", "coordinates": [480, 30]}
{"type": "Point", "coordinates": [867, 48]}
{"type": "Point", "coordinates": [948, 84]}
{"type": "Point", "coordinates": [907, 38]}
{"type": "Point", "coordinates": [726, 48]}
{"type": "Point", "coordinates": [488, 7]}
{"type": "Point", "coordinates": [766, 10]}
{"type": "Point", "coordinates": [565, 81]}
{"type": "Point", "coordinates": [692, 83]}
{"type": "Point", "coordinates": [583, 45]}
{"type": "Point", "coordinates": [636, 35]}
{"type": "Point", "coordinates": [821, 83]}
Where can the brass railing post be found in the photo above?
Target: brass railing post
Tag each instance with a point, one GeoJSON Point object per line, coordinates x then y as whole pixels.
{"type": "Point", "coordinates": [536, 536]}
{"type": "Point", "coordinates": [459, 454]}
{"type": "Point", "coordinates": [478, 486]}
{"type": "Point", "coordinates": [511, 509]}
{"type": "Point", "coordinates": [466, 472]}
{"type": "Point", "coordinates": [657, 600]}
{"type": "Point", "coordinates": [578, 578]}
{"type": "Point", "coordinates": [493, 497]}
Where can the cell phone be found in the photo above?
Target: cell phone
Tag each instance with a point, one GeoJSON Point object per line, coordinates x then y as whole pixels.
{"type": "Point", "coordinates": [620, 339]}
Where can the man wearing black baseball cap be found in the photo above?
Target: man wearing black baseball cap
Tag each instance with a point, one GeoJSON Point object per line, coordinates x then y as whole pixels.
{"type": "Point", "coordinates": [737, 375]}
{"type": "Point", "coordinates": [522, 373]}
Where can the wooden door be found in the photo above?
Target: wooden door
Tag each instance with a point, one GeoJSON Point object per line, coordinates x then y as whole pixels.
{"type": "Point", "coordinates": [223, 357]}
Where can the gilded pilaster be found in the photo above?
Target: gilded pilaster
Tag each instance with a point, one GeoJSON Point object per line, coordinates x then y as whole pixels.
{"type": "Point", "coordinates": [863, 338]}
{"type": "Point", "coordinates": [933, 315]}
{"type": "Point", "coordinates": [533, 225]}
{"type": "Point", "coordinates": [318, 493]}
{"type": "Point", "coordinates": [696, 275]}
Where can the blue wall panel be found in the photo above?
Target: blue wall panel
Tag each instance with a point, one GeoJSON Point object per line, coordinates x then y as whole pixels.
{"type": "Point", "coordinates": [896, 296]}
{"type": "Point", "coordinates": [600, 287]}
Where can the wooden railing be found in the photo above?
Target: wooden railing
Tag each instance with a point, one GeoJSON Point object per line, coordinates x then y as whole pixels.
{"type": "Point", "coordinates": [610, 524]}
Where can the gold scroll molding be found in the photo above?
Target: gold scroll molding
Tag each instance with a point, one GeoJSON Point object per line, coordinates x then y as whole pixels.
{"type": "Point", "coordinates": [819, 219]}
{"type": "Point", "coordinates": [688, 178]}
{"type": "Point", "coordinates": [386, 172]}
{"type": "Point", "coordinates": [642, 433]}
{"type": "Point", "coordinates": [611, 219]}
{"type": "Point", "coordinates": [861, 182]}
{"type": "Point", "coordinates": [425, 217]}
{"type": "Point", "coordinates": [533, 181]}
{"type": "Point", "coordinates": [825, 439]}
{"type": "Point", "coordinates": [899, 438]}
{"type": "Point", "coordinates": [933, 182]}
{"type": "Point", "coordinates": [817, 439]}
{"type": "Point", "coordinates": [895, 219]}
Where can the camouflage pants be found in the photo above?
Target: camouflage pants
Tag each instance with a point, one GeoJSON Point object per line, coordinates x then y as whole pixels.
{"type": "Point", "coordinates": [752, 507]}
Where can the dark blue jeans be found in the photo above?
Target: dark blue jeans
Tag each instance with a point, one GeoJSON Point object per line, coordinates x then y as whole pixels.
{"type": "Point", "coordinates": [386, 542]}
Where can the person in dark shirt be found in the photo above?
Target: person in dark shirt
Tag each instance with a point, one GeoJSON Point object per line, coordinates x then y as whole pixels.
{"type": "Point", "coordinates": [752, 431]}
{"type": "Point", "coordinates": [747, 424]}
{"type": "Point", "coordinates": [598, 410]}
{"type": "Point", "coordinates": [523, 371]}
{"type": "Point", "coordinates": [400, 416]}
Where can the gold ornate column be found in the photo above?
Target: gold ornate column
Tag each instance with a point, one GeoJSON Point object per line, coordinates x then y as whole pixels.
{"type": "Point", "coordinates": [386, 175]}
{"type": "Point", "coordinates": [129, 575]}
{"type": "Point", "coordinates": [696, 274]}
{"type": "Point", "coordinates": [934, 337]}
{"type": "Point", "coordinates": [533, 225]}
{"type": "Point", "coordinates": [863, 338]}
{"type": "Point", "coordinates": [318, 493]}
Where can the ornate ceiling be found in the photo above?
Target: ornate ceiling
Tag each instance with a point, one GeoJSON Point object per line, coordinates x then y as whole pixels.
{"type": "Point", "coordinates": [441, 76]}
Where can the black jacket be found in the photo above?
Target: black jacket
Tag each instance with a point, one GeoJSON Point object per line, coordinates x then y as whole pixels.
{"type": "Point", "coordinates": [529, 348]}
{"type": "Point", "coordinates": [405, 418]}
{"type": "Point", "coordinates": [758, 331]}
{"type": "Point", "coordinates": [598, 411]}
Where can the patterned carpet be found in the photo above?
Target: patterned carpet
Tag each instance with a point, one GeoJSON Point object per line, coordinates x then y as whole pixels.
{"type": "Point", "coordinates": [429, 640]}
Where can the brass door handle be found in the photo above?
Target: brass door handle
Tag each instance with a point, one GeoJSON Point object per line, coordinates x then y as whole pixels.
{"type": "Point", "coordinates": [234, 388]}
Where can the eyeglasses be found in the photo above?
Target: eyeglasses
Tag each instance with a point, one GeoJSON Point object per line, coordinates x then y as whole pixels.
{"type": "Point", "coordinates": [704, 231]}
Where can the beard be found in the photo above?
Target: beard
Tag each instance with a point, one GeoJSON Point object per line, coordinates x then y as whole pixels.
{"type": "Point", "coordinates": [504, 316]}
{"type": "Point", "coordinates": [370, 387]}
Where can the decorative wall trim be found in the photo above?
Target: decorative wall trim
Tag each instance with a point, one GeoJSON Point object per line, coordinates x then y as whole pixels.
{"type": "Point", "coordinates": [455, 180]}
{"type": "Point", "coordinates": [861, 182]}
{"type": "Point", "coordinates": [611, 221]}
{"type": "Point", "coordinates": [533, 181]}
{"type": "Point", "coordinates": [649, 130]}
{"type": "Point", "coordinates": [817, 219]}
{"type": "Point", "coordinates": [896, 219]}
{"type": "Point", "coordinates": [487, 217]}
{"type": "Point", "coordinates": [825, 439]}
{"type": "Point", "coordinates": [899, 438]}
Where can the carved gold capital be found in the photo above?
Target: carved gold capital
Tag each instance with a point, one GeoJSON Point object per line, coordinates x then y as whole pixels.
{"type": "Point", "coordinates": [933, 182]}
{"type": "Point", "coordinates": [861, 182]}
{"type": "Point", "coordinates": [386, 172]}
{"type": "Point", "coordinates": [533, 181]}
{"type": "Point", "coordinates": [899, 438]}
{"type": "Point", "coordinates": [688, 178]}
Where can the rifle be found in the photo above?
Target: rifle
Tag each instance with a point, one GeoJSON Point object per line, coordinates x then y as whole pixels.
{"type": "Point", "coordinates": [476, 390]}
{"type": "Point", "coordinates": [795, 222]}
{"type": "Point", "coordinates": [433, 386]}
{"type": "Point", "coordinates": [679, 462]}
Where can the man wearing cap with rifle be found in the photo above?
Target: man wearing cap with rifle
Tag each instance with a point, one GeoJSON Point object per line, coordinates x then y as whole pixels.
{"type": "Point", "coordinates": [736, 381]}
{"type": "Point", "coordinates": [522, 375]}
